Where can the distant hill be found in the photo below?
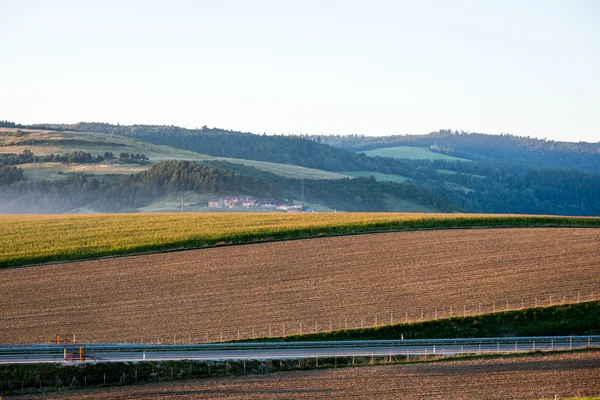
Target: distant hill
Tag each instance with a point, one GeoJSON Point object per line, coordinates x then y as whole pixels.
{"type": "Point", "coordinates": [303, 151]}
{"type": "Point", "coordinates": [45, 142]}
{"type": "Point", "coordinates": [445, 170]}
{"type": "Point", "coordinates": [531, 152]}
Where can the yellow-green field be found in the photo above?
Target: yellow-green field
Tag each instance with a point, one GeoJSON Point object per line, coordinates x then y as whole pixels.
{"type": "Point", "coordinates": [29, 239]}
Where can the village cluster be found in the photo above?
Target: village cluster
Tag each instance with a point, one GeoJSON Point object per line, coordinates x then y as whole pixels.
{"type": "Point", "coordinates": [247, 202]}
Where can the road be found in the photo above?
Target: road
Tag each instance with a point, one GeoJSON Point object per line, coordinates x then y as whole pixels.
{"type": "Point", "coordinates": [289, 350]}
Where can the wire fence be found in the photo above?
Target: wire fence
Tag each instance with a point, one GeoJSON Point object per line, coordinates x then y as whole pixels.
{"type": "Point", "coordinates": [341, 322]}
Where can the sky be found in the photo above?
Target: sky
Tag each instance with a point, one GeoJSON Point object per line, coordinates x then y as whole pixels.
{"type": "Point", "coordinates": [529, 68]}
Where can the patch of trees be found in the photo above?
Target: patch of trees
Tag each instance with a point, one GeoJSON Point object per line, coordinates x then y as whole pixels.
{"type": "Point", "coordinates": [10, 174]}
{"type": "Point", "coordinates": [131, 158]}
{"type": "Point", "coordinates": [8, 124]}
{"type": "Point", "coordinates": [75, 157]}
{"type": "Point", "coordinates": [25, 157]}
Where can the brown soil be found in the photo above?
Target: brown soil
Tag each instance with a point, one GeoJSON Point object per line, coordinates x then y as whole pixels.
{"type": "Point", "coordinates": [530, 377]}
{"type": "Point", "coordinates": [337, 282]}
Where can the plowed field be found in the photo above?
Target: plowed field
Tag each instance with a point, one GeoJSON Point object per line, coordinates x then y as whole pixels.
{"type": "Point", "coordinates": [305, 284]}
{"type": "Point", "coordinates": [531, 377]}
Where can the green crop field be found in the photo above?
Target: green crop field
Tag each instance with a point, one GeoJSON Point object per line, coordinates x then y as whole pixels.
{"type": "Point", "coordinates": [51, 142]}
{"type": "Point", "coordinates": [29, 239]}
{"type": "Point", "coordinates": [416, 153]}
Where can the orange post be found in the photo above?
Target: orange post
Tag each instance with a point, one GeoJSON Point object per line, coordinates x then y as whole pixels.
{"type": "Point", "coordinates": [80, 354]}
{"type": "Point", "coordinates": [57, 339]}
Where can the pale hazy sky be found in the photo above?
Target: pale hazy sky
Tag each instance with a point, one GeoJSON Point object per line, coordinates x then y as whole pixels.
{"type": "Point", "coordinates": [524, 67]}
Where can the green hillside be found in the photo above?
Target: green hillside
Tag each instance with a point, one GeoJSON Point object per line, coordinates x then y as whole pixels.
{"type": "Point", "coordinates": [379, 177]}
{"type": "Point", "coordinates": [43, 142]}
{"type": "Point", "coordinates": [411, 152]}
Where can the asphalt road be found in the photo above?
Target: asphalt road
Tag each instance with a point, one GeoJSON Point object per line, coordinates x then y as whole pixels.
{"type": "Point", "coordinates": [123, 352]}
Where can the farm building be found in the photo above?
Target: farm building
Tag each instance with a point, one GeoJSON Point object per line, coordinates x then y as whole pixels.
{"type": "Point", "coordinates": [215, 203]}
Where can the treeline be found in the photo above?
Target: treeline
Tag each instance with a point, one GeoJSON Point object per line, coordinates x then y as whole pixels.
{"type": "Point", "coordinates": [8, 124]}
{"type": "Point", "coordinates": [74, 157]}
{"type": "Point", "coordinates": [173, 177]}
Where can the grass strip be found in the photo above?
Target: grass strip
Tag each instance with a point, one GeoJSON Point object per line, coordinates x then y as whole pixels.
{"type": "Point", "coordinates": [560, 320]}
{"type": "Point", "coordinates": [34, 239]}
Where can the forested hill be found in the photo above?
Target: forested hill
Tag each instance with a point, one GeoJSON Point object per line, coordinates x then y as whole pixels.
{"type": "Point", "coordinates": [209, 178]}
{"type": "Point", "coordinates": [304, 151]}
{"type": "Point", "coordinates": [537, 153]}
{"type": "Point", "coordinates": [505, 174]}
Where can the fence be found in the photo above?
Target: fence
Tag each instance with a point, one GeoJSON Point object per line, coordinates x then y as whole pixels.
{"type": "Point", "coordinates": [340, 322]}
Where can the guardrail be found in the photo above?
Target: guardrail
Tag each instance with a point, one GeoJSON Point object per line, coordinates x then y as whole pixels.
{"type": "Point", "coordinates": [133, 347]}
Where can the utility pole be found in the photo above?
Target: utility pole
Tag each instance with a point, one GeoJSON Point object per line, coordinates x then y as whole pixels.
{"type": "Point", "coordinates": [303, 193]}
{"type": "Point", "coordinates": [34, 171]}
